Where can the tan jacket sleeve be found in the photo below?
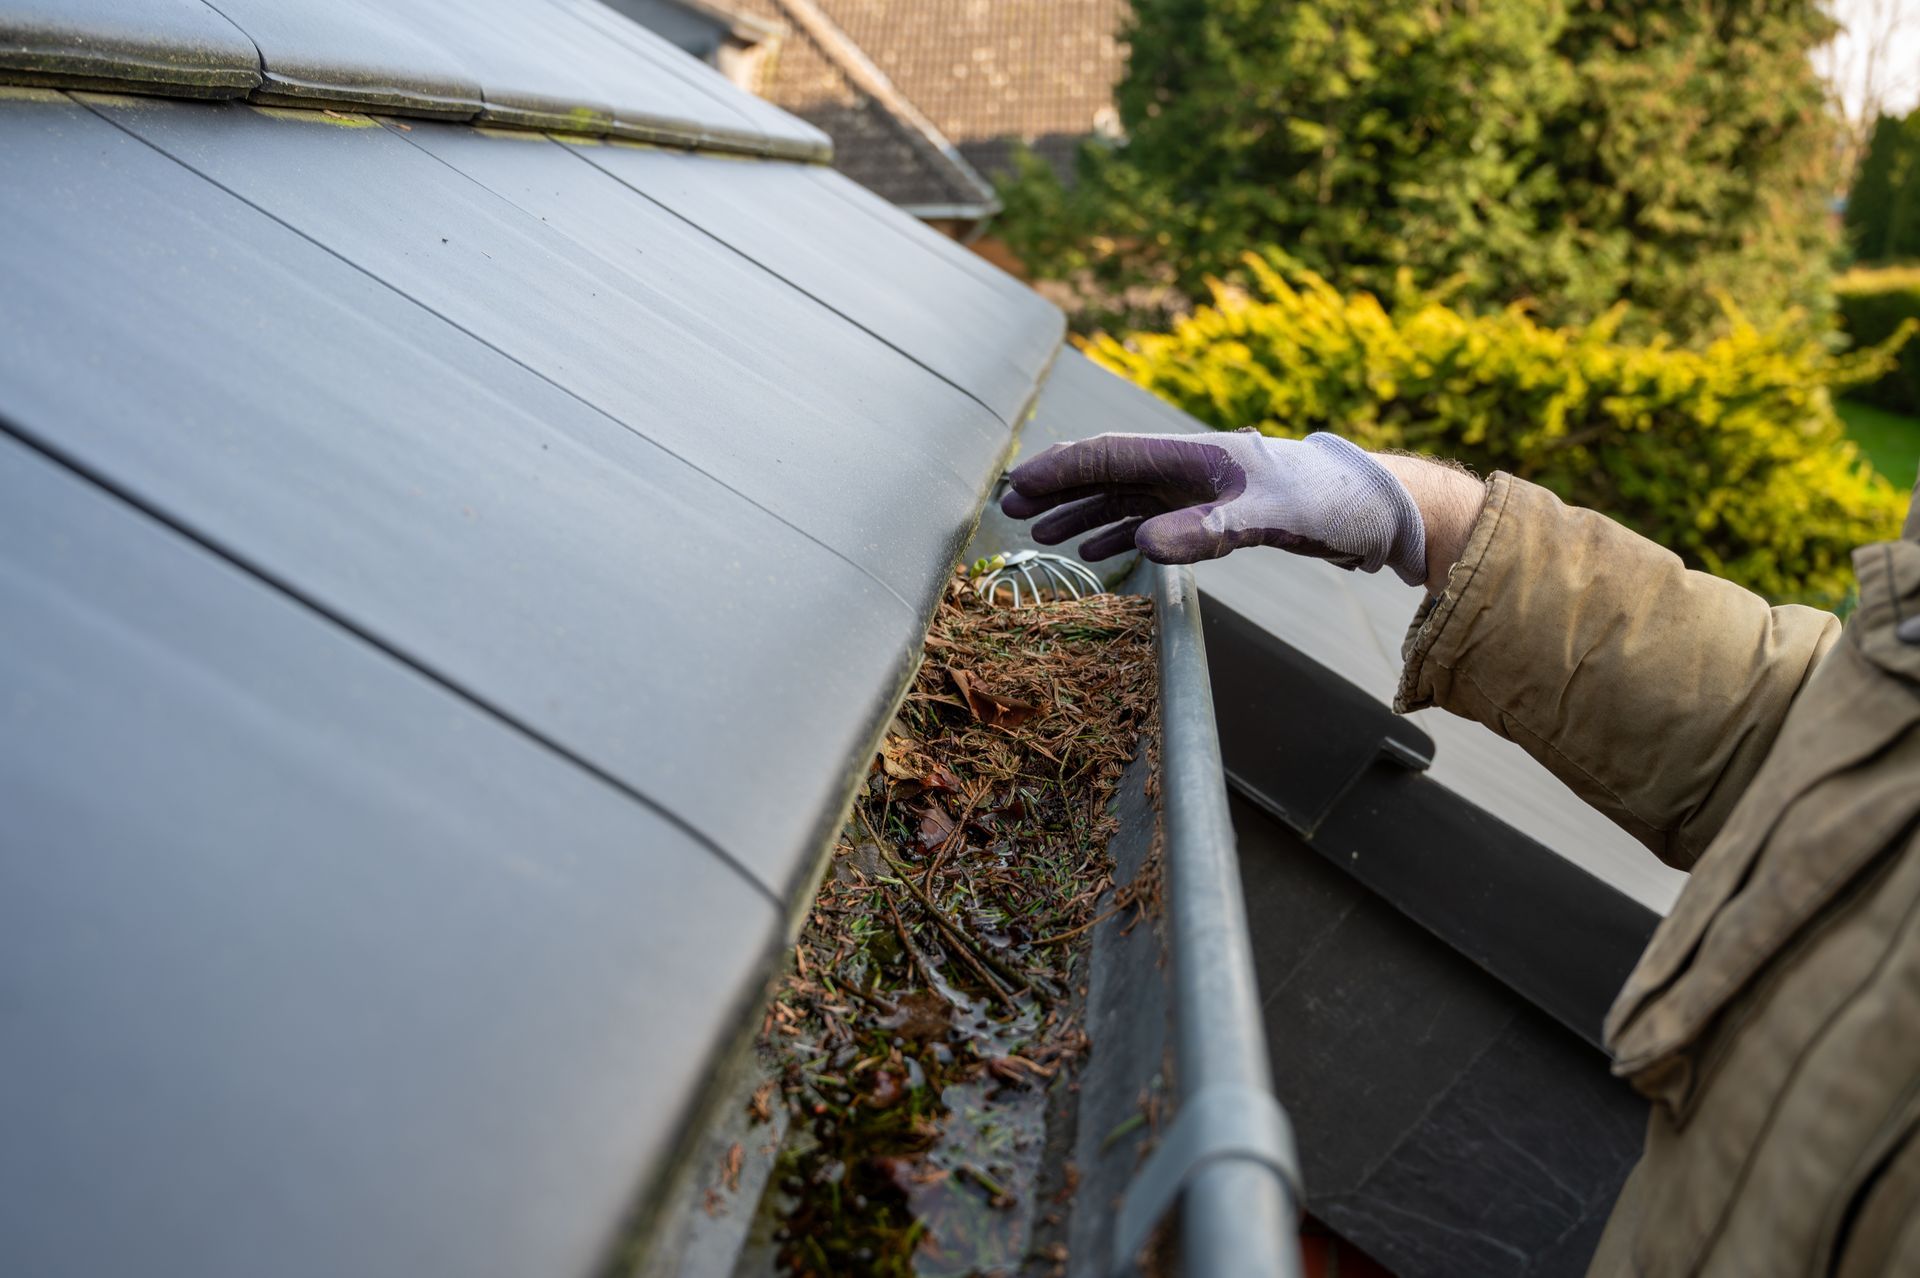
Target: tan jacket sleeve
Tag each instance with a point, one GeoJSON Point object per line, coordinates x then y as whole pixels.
{"type": "Point", "coordinates": [1653, 691]}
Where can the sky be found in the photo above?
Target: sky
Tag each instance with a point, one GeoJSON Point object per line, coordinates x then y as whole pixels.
{"type": "Point", "coordinates": [1847, 64]}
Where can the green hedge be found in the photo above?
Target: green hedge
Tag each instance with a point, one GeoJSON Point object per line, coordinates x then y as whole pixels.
{"type": "Point", "coordinates": [1730, 454]}
{"type": "Point", "coordinates": [1874, 305]}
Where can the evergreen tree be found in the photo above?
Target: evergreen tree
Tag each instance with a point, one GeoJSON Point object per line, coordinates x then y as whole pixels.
{"type": "Point", "coordinates": [1883, 209]}
{"type": "Point", "coordinates": [1570, 153]}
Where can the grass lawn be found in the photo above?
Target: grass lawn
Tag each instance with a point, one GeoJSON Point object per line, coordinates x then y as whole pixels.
{"type": "Point", "coordinates": [1891, 441]}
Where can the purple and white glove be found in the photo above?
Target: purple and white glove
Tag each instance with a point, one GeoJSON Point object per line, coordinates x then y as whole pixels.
{"type": "Point", "coordinates": [1183, 498]}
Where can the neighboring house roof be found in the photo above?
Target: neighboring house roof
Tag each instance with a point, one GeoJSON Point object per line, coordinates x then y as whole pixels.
{"type": "Point", "coordinates": [994, 74]}
{"type": "Point", "coordinates": [881, 140]}
{"type": "Point", "coordinates": [925, 100]}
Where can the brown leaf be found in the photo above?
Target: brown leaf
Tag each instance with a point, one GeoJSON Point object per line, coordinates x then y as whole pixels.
{"type": "Point", "coordinates": [899, 758]}
{"type": "Point", "coordinates": [730, 1171]}
{"type": "Point", "coordinates": [989, 707]}
{"type": "Point", "coordinates": [941, 778]}
{"type": "Point", "coordinates": [936, 827]}
{"type": "Point", "coordinates": [760, 1108]}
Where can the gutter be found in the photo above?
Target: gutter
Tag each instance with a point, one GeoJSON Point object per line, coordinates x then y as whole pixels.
{"type": "Point", "coordinates": [1228, 1159]}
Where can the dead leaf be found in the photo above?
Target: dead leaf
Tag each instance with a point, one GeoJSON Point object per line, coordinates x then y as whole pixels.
{"type": "Point", "coordinates": [989, 707]}
{"type": "Point", "coordinates": [730, 1171]}
{"type": "Point", "coordinates": [936, 827]}
{"type": "Point", "coordinates": [898, 758]}
{"type": "Point", "coordinates": [760, 1108]}
{"type": "Point", "coordinates": [941, 778]}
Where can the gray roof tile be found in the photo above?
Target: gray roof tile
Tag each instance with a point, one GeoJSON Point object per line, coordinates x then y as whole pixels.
{"type": "Point", "coordinates": [843, 245]}
{"type": "Point", "coordinates": [652, 365]}
{"type": "Point", "coordinates": [311, 967]}
{"type": "Point", "coordinates": [450, 580]}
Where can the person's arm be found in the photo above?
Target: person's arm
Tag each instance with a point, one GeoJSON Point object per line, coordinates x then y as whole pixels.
{"type": "Point", "coordinates": [1449, 500]}
{"type": "Point", "coordinates": [1652, 691]}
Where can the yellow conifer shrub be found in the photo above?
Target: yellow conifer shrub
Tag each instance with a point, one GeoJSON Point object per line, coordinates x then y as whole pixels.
{"type": "Point", "coordinates": [1729, 454]}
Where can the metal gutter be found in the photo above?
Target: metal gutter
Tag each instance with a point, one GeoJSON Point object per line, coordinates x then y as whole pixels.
{"type": "Point", "coordinates": [1228, 1159]}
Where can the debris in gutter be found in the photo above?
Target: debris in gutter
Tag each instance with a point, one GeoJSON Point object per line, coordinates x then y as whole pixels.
{"type": "Point", "coordinates": [931, 1007]}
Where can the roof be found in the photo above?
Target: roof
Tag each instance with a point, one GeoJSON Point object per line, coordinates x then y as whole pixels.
{"type": "Point", "coordinates": [453, 576]}
{"type": "Point", "coordinates": [993, 74]}
{"type": "Point", "coordinates": [881, 140]}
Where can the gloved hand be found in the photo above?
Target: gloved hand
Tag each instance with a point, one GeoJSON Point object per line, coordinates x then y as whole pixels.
{"type": "Point", "coordinates": [1183, 498]}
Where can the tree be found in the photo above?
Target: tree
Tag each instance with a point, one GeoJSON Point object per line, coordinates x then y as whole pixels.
{"type": "Point", "coordinates": [1566, 153]}
{"type": "Point", "coordinates": [1883, 210]}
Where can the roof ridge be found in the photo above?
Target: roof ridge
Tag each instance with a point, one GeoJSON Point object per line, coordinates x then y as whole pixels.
{"type": "Point", "coordinates": [569, 66]}
{"type": "Point", "coordinates": [920, 131]}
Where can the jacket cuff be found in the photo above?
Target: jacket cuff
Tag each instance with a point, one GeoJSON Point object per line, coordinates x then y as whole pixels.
{"type": "Point", "coordinates": [1433, 640]}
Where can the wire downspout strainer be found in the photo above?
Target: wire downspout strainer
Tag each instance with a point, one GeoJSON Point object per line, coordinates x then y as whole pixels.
{"type": "Point", "coordinates": [1045, 577]}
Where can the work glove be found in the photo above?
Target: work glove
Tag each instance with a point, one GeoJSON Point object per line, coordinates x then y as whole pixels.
{"type": "Point", "coordinates": [1184, 498]}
